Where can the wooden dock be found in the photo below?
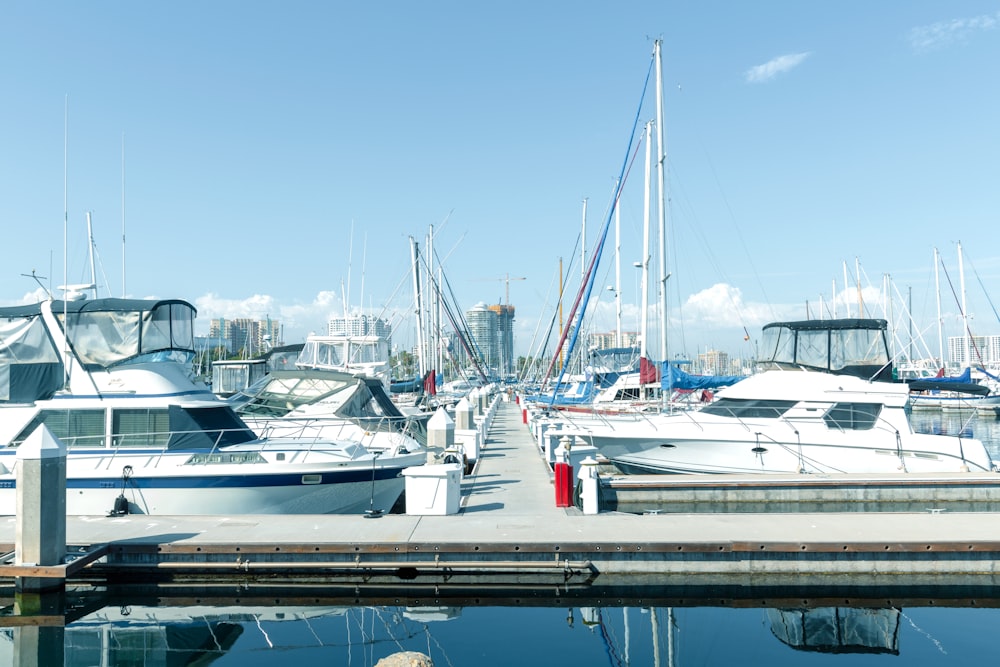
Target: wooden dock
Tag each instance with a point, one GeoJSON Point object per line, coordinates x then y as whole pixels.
{"type": "Point", "coordinates": [509, 532]}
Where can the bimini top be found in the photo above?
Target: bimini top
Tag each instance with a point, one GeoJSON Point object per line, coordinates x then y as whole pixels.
{"type": "Point", "coordinates": [111, 305]}
{"type": "Point", "coordinates": [849, 346]}
{"type": "Point", "coordinates": [843, 323]}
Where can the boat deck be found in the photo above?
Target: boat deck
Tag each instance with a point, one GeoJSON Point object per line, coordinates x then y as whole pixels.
{"type": "Point", "coordinates": [508, 528]}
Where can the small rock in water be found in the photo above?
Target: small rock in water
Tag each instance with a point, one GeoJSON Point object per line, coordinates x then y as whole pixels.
{"type": "Point", "coordinates": [406, 659]}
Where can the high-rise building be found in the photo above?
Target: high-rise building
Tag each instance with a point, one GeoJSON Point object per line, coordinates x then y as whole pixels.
{"type": "Point", "coordinates": [714, 362]}
{"type": "Point", "coordinates": [606, 340]}
{"type": "Point", "coordinates": [505, 337]}
{"type": "Point", "coordinates": [975, 350]}
{"type": "Point", "coordinates": [253, 337]}
{"type": "Point", "coordinates": [483, 330]}
{"type": "Point", "coordinates": [492, 331]}
{"type": "Point", "coordinates": [359, 325]}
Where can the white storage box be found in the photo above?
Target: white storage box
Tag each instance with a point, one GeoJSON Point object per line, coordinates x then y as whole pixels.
{"type": "Point", "coordinates": [433, 489]}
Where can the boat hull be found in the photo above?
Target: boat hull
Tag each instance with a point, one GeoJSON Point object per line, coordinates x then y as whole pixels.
{"type": "Point", "coordinates": [165, 485]}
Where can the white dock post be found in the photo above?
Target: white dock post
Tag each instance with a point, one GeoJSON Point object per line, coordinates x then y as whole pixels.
{"type": "Point", "coordinates": [484, 400]}
{"type": "Point", "coordinates": [590, 486]}
{"type": "Point", "coordinates": [40, 537]}
{"type": "Point", "coordinates": [463, 415]}
{"type": "Point", "coordinates": [477, 406]}
{"type": "Point", "coordinates": [440, 431]}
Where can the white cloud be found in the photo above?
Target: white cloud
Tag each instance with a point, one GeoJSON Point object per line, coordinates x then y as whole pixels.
{"type": "Point", "coordinates": [722, 306]}
{"type": "Point", "coordinates": [943, 33]}
{"type": "Point", "coordinates": [774, 67]}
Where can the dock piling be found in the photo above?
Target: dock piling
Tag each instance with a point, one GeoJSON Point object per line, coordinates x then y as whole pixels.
{"type": "Point", "coordinates": [40, 538]}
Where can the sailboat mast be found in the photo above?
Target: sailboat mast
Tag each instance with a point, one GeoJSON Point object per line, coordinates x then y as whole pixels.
{"type": "Point", "coordinates": [431, 302]}
{"type": "Point", "coordinates": [583, 274]}
{"type": "Point", "coordinates": [965, 313]}
{"type": "Point", "coordinates": [644, 307]}
{"type": "Point", "coordinates": [857, 282]}
{"type": "Point", "coordinates": [618, 269]}
{"type": "Point", "coordinates": [562, 353]}
{"type": "Point", "coordinates": [583, 243]}
{"type": "Point", "coordinates": [662, 212]}
{"type": "Point", "coordinates": [940, 324]}
{"type": "Point", "coordinates": [833, 287]}
{"type": "Point", "coordinates": [415, 254]}
{"type": "Point", "coordinates": [847, 287]}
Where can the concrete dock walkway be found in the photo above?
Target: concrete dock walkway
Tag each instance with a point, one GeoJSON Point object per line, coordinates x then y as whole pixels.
{"type": "Point", "coordinates": [509, 527]}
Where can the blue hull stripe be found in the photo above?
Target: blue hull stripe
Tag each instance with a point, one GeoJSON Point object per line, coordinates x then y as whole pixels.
{"type": "Point", "coordinates": [227, 481]}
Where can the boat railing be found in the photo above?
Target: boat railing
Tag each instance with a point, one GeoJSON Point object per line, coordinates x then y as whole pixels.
{"type": "Point", "coordinates": [365, 430]}
{"type": "Point", "coordinates": [156, 444]}
{"type": "Point", "coordinates": [606, 418]}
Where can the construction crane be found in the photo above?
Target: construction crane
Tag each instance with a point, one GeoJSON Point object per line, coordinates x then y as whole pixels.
{"type": "Point", "coordinates": [507, 280]}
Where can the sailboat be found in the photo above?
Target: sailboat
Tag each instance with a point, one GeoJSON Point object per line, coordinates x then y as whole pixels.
{"type": "Point", "coordinates": [962, 391]}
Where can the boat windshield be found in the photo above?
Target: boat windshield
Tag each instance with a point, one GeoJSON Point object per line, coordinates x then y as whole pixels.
{"type": "Point", "coordinates": [846, 346]}
{"type": "Point", "coordinates": [278, 393]}
{"type": "Point", "coordinates": [104, 337]}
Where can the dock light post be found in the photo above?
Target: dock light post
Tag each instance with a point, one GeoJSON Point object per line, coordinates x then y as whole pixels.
{"type": "Point", "coordinates": [590, 486]}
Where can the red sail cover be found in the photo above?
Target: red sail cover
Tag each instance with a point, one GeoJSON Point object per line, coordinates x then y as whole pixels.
{"type": "Point", "coordinates": [647, 371]}
{"type": "Point", "coordinates": [430, 382]}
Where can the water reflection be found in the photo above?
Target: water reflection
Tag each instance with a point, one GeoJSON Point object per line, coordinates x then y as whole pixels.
{"type": "Point", "coordinates": [616, 632]}
{"type": "Point", "coordinates": [837, 629]}
{"type": "Point", "coordinates": [964, 423]}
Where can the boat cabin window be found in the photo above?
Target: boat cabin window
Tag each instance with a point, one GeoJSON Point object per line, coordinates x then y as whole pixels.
{"type": "Point", "coordinates": [853, 416]}
{"type": "Point", "coordinates": [178, 428]}
{"type": "Point", "coordinates": [319, 354]}
{"type": "Point", "coordinates": [628, 394]}
{"type": "Point", "coordinates": [140, 427]}
{"type": "Point", "coordinates": [748, 408]}
{"type": "Point", "coordinates": [75, 428]}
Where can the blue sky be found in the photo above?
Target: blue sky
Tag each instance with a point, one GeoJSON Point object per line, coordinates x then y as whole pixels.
{"type": "Point", "coordinates": [278, 156]}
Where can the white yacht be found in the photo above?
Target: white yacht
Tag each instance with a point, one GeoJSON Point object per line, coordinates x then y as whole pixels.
{"type": "Point", "coordinates": [113, 380]}
{"type": "Point", "coordinates": [823, 402]}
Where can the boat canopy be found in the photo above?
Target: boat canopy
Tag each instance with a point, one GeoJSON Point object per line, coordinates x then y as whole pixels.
{"type": "Point", "coordinates": [359, 399]}
{"type": "Point", "coordinates": [337, 352]}
{"type": "Point", "coordinates": [849, 346]}
{"type": "Point", "coordinates": [105, 332]}
{"type": "Point", "coordinates": [101, 333]}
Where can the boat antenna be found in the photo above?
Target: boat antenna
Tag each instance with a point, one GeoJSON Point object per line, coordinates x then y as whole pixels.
{"type": "Point", "coordinates": [38, 279]}
{"type": "Point", "coordinates": [65, 240]}
{"type": "Point", "coordinates": [350, 268]}
{"type": "Point", "coordinates": [123, 215]}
